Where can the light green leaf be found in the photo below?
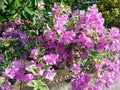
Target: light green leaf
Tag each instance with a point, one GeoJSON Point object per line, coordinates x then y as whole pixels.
{"type": "Point", "coordinates": [33, 83]}
{"type": "Point", "coordinates": [32, 69]}
{"type": "Point", "coordinates": [2, 79]}
{"type": "Point", "coordinates": [42, 51]}
{"type": "Point", "coordinates": [38, 85]}
{"type": "Point", "coordinates": [43, 87]}
{"type": "Point", "coordinates": [2, 6]}
{"type": "Point", "coordinates": [17, 3]}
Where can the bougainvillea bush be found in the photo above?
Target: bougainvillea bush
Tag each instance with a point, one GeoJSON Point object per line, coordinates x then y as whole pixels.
{"type": "Point", "coordinates": [75, 42]}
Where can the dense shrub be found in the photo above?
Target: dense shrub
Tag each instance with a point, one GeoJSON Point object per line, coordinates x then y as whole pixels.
{"type": "Point", "coordinates": [74, 42]}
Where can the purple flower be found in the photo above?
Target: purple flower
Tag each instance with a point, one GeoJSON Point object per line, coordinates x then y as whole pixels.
{"type": "Point", "coordinates": [115, 40]}
{"type": "Point", "coordinates": [6, 25]}
{"type": "Point", "coordinates": [117, 60]}
{"type": "Point", "coordinates": [34, 53]}
{"type": "Point", "coordinates": [8, 32]}
{"type": "Point", "coordinates": [86, 41]}
{"type": "Point", "coordinates": [102, 44]}
{"type": "Point", "coordinates": [16, 71]}
{"type": "Point", "coordinates": [99, 67]}
{"type": "Point", "coordinates": [17, 65]}
{"type": "Point", "coordinates": [81, 82]}
{"type": "Point", "coordinates": [50, 36]}
{"type": "Point", "coordinates": [115, 47]}
{"type": "Point", "coordinates": [11, 32]}
{"type": "Point", "coordinates": [75, 68]}
{"type": "Point", "coordinates": [24, 57]}
{"type": "Point", "coordinates": [40, 39]}
{"type": "Point", "coordinates": [50, 45]}
{"type": "Point", "coordinates": [96, 87]}
{"type": "Point", "coordinates": [10, 72]}
{"type": "Point", "coordinates": [28, 77]}
{"type": "Point", "coordinates": [18, 32]}
{"type": "Point", "coordinates": [84, 54]}
{"type": "Point", "coordinates": [66, 55]}
{"type": "Point", "coordinates": [62, 20]}
{"type": "Point", "coordinates": [1, 57]}
{"type": "Point", "coordinates": [67, 37]}
{"type": "Point", "coordinates": [94, 20]}
{"type": "Point", "coordinates": [59, 28]}
{"type": "Point", "coordinates": [55, 9]}
{"type": "Point", "coordinates": [105, 79]}
{"type": "Point", "coordinates": [18, 21]}
{"type": "Point", "coordinates": [114, 33]}
{"type": "Point", "coordinates": [83, 18]}
{"type": "Point", "coordinates": [49, 74]}
{"type": "Point", "coordinates": [23, 38]}
{"type": "Point", "coordinates": [60, 47]}
{"type": "Point", "coordinates": [41, 72]}
{"type": "Point", "coordinates": [39, 68]}
{"type": "Point", "coordinates": [109, 83]}
{"type": "Point", "coordinates": [31, 63]}
{"type": "Point", "coordinates": [8, 86]}
{"type": "Point", "coordinates": [50, 59]}
{"type": "Point", "coordinates": [19, 75]}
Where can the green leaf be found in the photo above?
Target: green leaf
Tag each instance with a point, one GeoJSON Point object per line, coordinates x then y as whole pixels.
{"type": "Point", "coordinates": [32, 69]}
{"type": "Point", "coordinates": [6, 43]}
{"type": "Point", "coordinates": [2, 79]}
{"type": "Point", "coordinates": [41, 78]}
{"type": "Point", "coordinates": [2, 19]}
{"type": "Point", "coordinates": [24, 13]}
{"type": "Point", "coordinates": [67, 81]}
{"type": "Point", "coordinates": [9, 1]}
{"type": "Point", "coordinates": [17, 3]}
{"type": "Point", "coordinates": [29, 11]}
{"type": "Point", "coordinates": [27, 47]}
{"type": "Point", "coordinates": [43, 87]}
{"type": "Point", "coordinates": [94, 53]}
{"type": "Point", "coordinates": [34, 20]}
{"type": "Point", "coordinates": [2, 6]}
{"type": "Point", "coordinates": [42, 51]}
{"type": "Point", "coordinates": [5, 1]}
{"type": "Point", "coordinates": [33, 83]}
{"type": "Point", "coordinates": [46, 67]}
{"type": "Point", "coordinates": [38, 85]}
{"type": "Point", "coordinates": [36, 2]}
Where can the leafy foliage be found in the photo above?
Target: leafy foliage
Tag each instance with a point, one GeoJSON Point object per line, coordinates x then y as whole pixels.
{"type": "Point", "coordinates": [111, 12]}
{"type": "Point", "coordinates": [12, 9]}
{"type": "Point", "coordinates": [38, 85]}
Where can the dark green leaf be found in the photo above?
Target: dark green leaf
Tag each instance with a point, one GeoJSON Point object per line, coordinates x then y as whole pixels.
{"type": "Point", "coordinates": [24, 13]}
{"type": "Point", "coordinates": [93, 53]}
{"type": "Point", "coordinates": [2, 19]}
{"type": "Point", "coordinates": [29, 11]}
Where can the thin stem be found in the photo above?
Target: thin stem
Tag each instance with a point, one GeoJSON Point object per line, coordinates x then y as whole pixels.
{"type": "Point", "coordinates": [20, 85]}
